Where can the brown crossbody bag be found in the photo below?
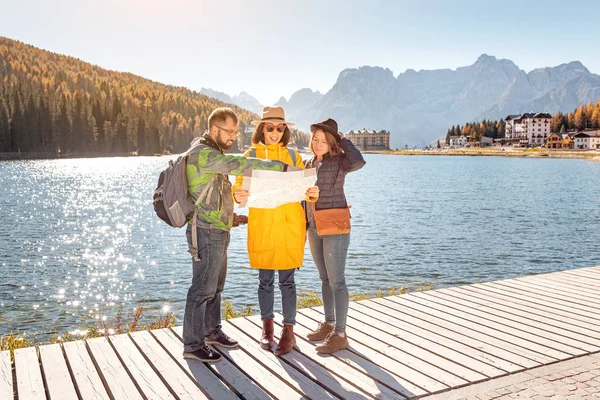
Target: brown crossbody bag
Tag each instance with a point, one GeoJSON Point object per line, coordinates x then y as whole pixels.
{"type": "Point", "coordinates": [332, 221]}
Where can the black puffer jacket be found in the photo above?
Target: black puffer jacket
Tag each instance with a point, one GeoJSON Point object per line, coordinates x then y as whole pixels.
{"type": "Point", "coordinates": [331, 175]}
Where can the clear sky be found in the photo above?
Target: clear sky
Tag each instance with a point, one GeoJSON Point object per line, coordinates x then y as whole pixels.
{"type": "Point", "coordinates": [271, 48]}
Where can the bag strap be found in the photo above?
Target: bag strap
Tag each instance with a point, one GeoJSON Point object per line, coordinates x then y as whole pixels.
{"type": "Point", "coordinates": [207, 189]}
{"type": "Point", "coordinates": [292, 155]}
{"type": "Point", "coordinates": [252, 153]}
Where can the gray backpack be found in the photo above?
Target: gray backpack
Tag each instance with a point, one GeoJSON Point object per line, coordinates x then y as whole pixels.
{"type": "Point", "coordinates": [172, 202]}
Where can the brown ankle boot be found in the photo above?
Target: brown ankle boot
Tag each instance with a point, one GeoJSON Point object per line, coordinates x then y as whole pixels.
{"type": "Point", "coordinates": [287, 341]}
{"type": "Point", "coordinates": [266, 340]}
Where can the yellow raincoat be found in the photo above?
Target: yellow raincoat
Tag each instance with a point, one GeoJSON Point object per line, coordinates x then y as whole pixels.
{"type": "Point", "coordinates": [276, 236]}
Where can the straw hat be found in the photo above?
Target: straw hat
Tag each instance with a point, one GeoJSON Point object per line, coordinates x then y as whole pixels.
{"type": "Point", "coordinates": [274, 115]}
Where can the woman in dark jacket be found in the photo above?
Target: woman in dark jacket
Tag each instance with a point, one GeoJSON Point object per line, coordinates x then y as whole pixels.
{"type": "Point", "coordinates": [334, 157]}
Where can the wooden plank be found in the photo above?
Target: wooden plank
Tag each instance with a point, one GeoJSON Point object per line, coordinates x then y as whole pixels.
{"type": "Point", "coordinates": [445, 370]}
{"type": "Point", "coordinates": [30, 385]}
{"type": "Point", "coordinates": [410, 372]}
{"type": "Point", "coordinates": [551, 297]}
{"type": "Point", "coordinates": [546, 288]}
{"type": "Point", "coordinates": [525, 332]}
{"type": "Point", "coordinates": [262, 376]}
{"type": "Point", "coordinates": [56, 373]}
{"type": "Point", "coordinates": [577, 291]}
{"type": "Point", "coordinates": [571, 286]}
{"type": "Point", "coordinates": [307, 386]}
{"type": "Point", "coordinates": [177, 380]}
{"type": "Point", "coordinates": [464, 338]}
{"type": "Point", "coordinates": [88, 382]}
{"type": "Point", "coordinates": [334, 383]}
{"type": "Point", "coordinates": [529, 323]}
{"type": "Point", "coordinates": [577, 286]}
{"type": "Point", "coordinates": [113, 373]}
{"type": "Point", "coordinates": [6, 378]}
{"type": "Point", "coordinates": [485, 298]}
{"type": "Point", "coordinates": [347, 364]}
{"type": "Point", "coordinates": [522, 297]}
{"type": "Point", "coordinates": [221, 385]}
{"type": "Point", "coordinates": [584, 273]}
{"type": "Point", "coordinates": [415, 381]}
{"type": "Point", "coordinates": [373, 309]}
{"type": "Point", "coordinates": [442, 312]}
{"type": "Point", "coordinates": [147, 379]}
{"type": "Point", "coordinates": [499, 295]}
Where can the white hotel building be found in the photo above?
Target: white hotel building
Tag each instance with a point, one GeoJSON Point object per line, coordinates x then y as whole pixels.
{"type": "Point", "coordinates": [529, 128]}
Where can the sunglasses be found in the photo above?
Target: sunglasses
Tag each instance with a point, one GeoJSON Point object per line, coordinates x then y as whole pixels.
{"type": "Point", "coordinates": [280, 128]}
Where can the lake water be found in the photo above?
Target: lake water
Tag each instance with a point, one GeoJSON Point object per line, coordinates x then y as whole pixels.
{"type": "Point", "coordinates": [79, 237]}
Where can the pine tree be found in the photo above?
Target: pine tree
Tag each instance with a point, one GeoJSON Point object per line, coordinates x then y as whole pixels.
{"type": "Point", "coordinates": [63, 124]}
{"type": "Point", "coordinates": [16, 123]}
{"type": "Point", "coordinates": [78, 133]}
{"type": "Point", "coordinates": [100, 119]}
{"type": "Point", "coordinates": [142, 141]}
{"type": "Point", "coordinates": [4, 128]}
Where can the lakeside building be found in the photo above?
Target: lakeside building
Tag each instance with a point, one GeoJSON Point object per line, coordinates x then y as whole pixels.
{"type": "Point", "coordinates": [458, 141]}
{"type": "Point", "coordinates": [370, 139]}
{"type": "Point", "coordinates": [527, 128]}
{"type": "Point", "coordinates": [560, 141]}
{"type": "Point", "coordinates": [587, 140]}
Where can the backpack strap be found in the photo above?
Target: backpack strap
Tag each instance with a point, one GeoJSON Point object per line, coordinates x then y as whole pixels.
{"type": "Point", "coordinates": [293, 155]}
{"type": "Point", "coordinates": [252, 153]}
{"type": "Point", "coordinates": [194, 249]}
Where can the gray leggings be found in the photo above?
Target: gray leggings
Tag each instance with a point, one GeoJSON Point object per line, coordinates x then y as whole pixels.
{"type": "Point", "coordinates": [329, 254]}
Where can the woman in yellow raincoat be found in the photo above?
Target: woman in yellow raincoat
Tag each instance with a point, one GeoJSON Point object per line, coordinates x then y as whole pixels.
{"type": "Point", "coordinates": [276, 236]}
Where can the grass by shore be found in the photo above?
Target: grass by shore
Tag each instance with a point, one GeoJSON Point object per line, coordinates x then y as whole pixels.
{"type": "Point", "coordinates": [132, 322]}
{"type": "Point", "coordinates": [592, 155]}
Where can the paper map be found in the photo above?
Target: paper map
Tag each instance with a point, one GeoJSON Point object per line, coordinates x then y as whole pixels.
{"type": "Point", "coordinates": [270, 189]}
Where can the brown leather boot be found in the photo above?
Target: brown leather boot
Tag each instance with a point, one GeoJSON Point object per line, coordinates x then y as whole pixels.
{"type": "Point", "coordinates": [266, 340]}
{"type": "Point", "coordinates": [287, 341]}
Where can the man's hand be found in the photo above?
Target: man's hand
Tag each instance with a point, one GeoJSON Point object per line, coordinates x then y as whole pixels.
{"type": "Point", "coordinates": [240, 195]}
{"type": "Point", "coordinates": [239, 219]}
{"type": "Point", "coordinates": [341, 135]}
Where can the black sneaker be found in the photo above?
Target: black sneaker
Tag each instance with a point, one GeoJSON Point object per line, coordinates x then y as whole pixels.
{"type": "Point", "coordinates": [223, 340]}
{"type": "Point", "coordinates": [204, 354]}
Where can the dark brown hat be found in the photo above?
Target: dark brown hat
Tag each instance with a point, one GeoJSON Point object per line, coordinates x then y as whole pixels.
{"type": "Point", "coordinates": [327, 125]}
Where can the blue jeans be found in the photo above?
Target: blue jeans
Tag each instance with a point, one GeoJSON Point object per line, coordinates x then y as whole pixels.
{"type": "Point", "coordinates": [329, 254]}
{"type": "Point", "coordinates": [266, 294]}
{"type": "Point", "coordinates": [202, 317]}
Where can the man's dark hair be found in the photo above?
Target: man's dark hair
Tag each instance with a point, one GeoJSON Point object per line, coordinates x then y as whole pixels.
{"type": "Point", "coordinates": [219, 116]}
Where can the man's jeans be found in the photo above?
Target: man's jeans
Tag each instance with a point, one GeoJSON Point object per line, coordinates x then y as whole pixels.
{"type": "Point", "coordinates": [266, 295]}
{"type": "Point", "coordinates": [329, 253]}
{"type": "Point", "coordinates": [202, 316]}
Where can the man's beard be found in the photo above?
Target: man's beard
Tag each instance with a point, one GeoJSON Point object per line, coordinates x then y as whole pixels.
{"type": "Point", "coordinates": [223, 145]}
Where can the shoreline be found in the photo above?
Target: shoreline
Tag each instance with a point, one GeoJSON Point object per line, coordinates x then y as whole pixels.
{"type": "Point", "coordinates": [592, 155]}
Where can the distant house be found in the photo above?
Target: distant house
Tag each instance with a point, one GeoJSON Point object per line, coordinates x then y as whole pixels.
{"type": "Point", "coordinates": [370, 139]}
{"type": "Point", "coordinates": [568, 140]}
{"type": "Point", "coordinates": [560, 141]}
{"type": "Point", "coordinates": [458, 141]}
{"type": "Point", "coordinates": [587, 140]}
{"type": "Point", "coordinates": [534, 127]}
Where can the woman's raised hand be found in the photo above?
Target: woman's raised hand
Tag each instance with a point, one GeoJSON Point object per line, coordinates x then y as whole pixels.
{"type": "Point", "coordinates": [313, 192]}
{"type": "Point", "coordinates": [240, 195]}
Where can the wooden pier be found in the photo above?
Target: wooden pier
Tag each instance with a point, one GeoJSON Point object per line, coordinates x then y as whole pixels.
{"type": "Point", "coordinates": [401, 347]}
